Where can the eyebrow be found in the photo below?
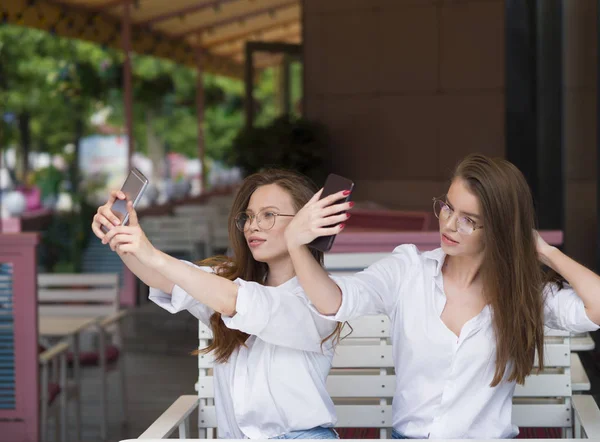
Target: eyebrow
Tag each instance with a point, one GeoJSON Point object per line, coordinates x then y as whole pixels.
{"type": "Point", "coordinates": [263, 208]}
{"type": "Point", "coordinates": [473, 215]}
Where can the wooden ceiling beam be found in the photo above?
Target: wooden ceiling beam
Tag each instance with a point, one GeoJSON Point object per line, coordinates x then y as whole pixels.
{"type": "Point", "coordinates": [238, 18]}
{"type": "Point", "coordinates": [183, 11]}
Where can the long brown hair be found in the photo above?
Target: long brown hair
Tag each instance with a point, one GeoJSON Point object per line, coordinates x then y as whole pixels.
{"type": "Point", "coordinates": [243, 265]}
{"type": "Point", "coordinates": [513, 278]}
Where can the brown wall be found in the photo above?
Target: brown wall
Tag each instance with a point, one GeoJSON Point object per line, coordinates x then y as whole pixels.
{"type": "Point", "coordinates": [580, 120]}
{"type": "Point", "coordinates": [406, 88]}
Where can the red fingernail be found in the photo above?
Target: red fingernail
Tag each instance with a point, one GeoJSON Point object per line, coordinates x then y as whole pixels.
{"type": "Point", "coordinates": [348, 215]}
{"type": "Point", "coordinates": [346, 192]}
{"type": "Point", "coordinates": [351, 203]}
{"type": "Point", "coordinates": [342, 225]}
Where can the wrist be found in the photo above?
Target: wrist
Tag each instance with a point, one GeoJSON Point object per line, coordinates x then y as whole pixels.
{"type": "Point", "coordinates": [294, 247]}
{"type": "Point", "coordinates": [156, 260]}
{"type": "Point", "coordinates": [291, 243]}
{"type": "Point", "coordinates": [548, 254]}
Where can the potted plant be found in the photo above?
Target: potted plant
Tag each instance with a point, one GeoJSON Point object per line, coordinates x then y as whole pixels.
{"type": "Point", "coordinates": [48, 180]}
{"type": "Point", "coordinates": [296, 144]}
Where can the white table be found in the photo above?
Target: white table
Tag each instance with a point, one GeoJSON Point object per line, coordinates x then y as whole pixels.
{"type": "Point", "coordinates": [68, 327]}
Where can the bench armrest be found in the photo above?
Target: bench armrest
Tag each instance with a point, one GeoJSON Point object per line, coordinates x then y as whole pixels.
{"type": "Point", "coordinates": [111, 319]}
{"type": "Point", "coordinates": [53, 352]}
{"type": "Point", "coordinates": [176, 416]}
{"type": "Point", "coordinates": [587, 417]}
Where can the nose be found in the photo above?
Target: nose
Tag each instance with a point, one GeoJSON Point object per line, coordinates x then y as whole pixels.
{"type": "Point", "coordinates": [254, 223]}
{"type": "Point", "coordinates": [450, 223]}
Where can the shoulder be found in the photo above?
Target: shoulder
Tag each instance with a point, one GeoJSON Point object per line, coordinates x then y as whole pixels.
{"type": "Point", "coordinates": [410, 255]}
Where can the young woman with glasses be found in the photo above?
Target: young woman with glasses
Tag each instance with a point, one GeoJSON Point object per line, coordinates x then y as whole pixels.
{"type": "Point", "coordinates": [468, 317]}
{"type": "Point", "coordinates": [273, 352]}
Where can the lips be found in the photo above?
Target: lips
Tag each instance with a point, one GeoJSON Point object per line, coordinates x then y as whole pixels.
{"type": "Point", "coordinates": [255, 241]}
{"type": "Point", "coordinates": [448, 239]}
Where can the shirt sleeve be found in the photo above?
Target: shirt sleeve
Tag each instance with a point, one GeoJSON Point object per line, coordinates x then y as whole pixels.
{"type": "Point", "coordinates": [376, 289]}
{"type": "Point", "coordinates": [279, 317]}
{"type": "Point", "coordinates": [564, 310]}
{"type": "Point", "coordinates": [179, 300]}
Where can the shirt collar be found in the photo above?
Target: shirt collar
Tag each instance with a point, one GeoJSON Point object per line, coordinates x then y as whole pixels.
{"type": "Point", "coordinates": [438, 256]}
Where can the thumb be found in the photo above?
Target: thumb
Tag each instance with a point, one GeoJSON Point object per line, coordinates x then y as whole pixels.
{"type": "Point", "coordinates": [133, 218]}
{"type": "Point", "coordinates": [316, 196]}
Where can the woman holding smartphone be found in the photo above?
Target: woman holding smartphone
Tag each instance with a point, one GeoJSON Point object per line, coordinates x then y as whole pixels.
{"type": "Point", "coordinates": [467, 318]}
{"type": "Point", "coordinates": [273, 352]}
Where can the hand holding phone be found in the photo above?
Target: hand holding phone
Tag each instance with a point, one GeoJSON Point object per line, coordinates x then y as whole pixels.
{"type": "Point", "coordinates": [133, 189]}
{"type": "Point", "coordinates": [333, 184]}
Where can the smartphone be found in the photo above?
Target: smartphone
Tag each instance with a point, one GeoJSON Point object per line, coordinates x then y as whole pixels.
{"type": "Point", "coordinates": [333, 184]}
{"type": "Point", "coordinates": [133, 188]}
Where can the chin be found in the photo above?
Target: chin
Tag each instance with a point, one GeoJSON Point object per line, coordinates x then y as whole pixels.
{"type": "Point", "coordinates": [267, 256]}
{"type": "Point", "coordinates": [450, 250]}
{"type": "Point", "coordinates": [260, 257]}
{"type": "Point", "coordinates": [263, 255]}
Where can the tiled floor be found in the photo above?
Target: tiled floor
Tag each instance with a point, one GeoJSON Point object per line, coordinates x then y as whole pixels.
{"type": "Point", "coordinates": [159, 369]}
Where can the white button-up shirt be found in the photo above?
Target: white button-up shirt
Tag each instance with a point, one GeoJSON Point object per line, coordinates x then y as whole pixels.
{"type": "Point", "coordinates": [443, 381]}
{"type": "Point", "coordinates": [276, 384]}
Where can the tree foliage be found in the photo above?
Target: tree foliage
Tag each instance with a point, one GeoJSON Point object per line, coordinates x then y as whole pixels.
{"type": "Point", "coordinates": [56, 80]}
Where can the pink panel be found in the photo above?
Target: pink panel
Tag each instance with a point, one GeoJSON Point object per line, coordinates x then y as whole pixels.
{"type": "Point", "coordinates": [374, 241]}
{"type": "Point", "coordinates": [128, 292]}
{"type": "Point", "coordinates": [10, 225]}
{"type": "Point", "coordinates": [393, 220]}
{"type": "Point", "coordinates": [19, 249]}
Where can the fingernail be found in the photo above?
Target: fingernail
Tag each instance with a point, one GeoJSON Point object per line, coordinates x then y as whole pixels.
{"type": "Point", "coordinates": [351, 203]}
{"type": "Point", "coordinates": [342, 225]}
{"type": "Point", "coordinates": [346, 192]}
{"type": "Point", "coordinates": [348, 215]}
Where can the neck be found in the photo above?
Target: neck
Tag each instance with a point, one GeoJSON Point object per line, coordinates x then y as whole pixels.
{"type": "Point", "coordinates": [464, 270]}
{"type": "Point", "coordinates": [280, 271]}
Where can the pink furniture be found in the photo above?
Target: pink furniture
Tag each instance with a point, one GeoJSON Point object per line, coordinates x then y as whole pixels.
{"type": "Point", "coordinates": [30, 221]}
{"type": "Point", "coordinates": [128, 291]}
{"type": "Point", "coordinates": [20, 407]}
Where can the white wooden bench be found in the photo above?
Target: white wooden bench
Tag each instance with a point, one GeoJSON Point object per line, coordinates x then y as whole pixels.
{"type": "Point", "coordinates": [544, 400]}
{"type": "Point", "coordinates": [362, 381]}
{"type": "Point", "coordinates": [362, 385]}
{"type": "Point", "coordinates": [92, 295]}
{"type": "Point", "coordinates": [582, 342]}
{"type": "Point", "coordinates": [579, 378]}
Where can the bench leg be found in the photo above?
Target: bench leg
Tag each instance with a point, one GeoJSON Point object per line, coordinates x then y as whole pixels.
{"type": "Point", "coordinates": [184, 429]}
{"type": "Point", "coordinates": [103, 392]}
{"type": "Point", "coordinates": [63, 398]}
{"type": "Point", "coordinates": [123, 390]}
{"type": "Point", "coordinates": [44, 405]}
